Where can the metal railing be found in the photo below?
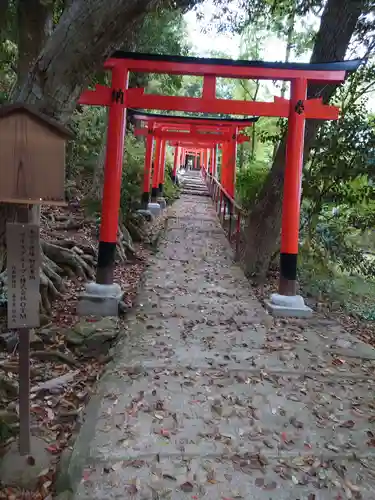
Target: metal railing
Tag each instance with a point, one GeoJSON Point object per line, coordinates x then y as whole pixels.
{"type": "Point", "coordinates": [229, 212]}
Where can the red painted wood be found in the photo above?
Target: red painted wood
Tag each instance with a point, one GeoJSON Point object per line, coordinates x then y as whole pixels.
{"type": "Point", "coordinates": [113, 161]}
{"type": "Point", "coordinates": [293, 171]}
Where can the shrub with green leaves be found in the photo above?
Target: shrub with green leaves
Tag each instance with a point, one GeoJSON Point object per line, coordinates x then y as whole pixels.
{"type": "Point", "coordinates": [249, 182]}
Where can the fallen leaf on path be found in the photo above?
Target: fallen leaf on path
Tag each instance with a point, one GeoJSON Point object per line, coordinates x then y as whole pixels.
{"type": "Point", "coordinates": [53, 449]}
{"type": "Point", "coordinates": [187, 487]}
{"type": "Point", "coordinates": [349, 424]}
{"type": "Point", "coordinates": [338, 362]}
{"type": "Point", "coordinates": [352, 487]}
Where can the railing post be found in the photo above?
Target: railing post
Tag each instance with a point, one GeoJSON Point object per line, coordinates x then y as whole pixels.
{"type": "Point", "coordinates": [230, 221]}
{"type": "Point", "coordinates": [238, 231]}
{"type": "Point", "coordinates": [221, 201]}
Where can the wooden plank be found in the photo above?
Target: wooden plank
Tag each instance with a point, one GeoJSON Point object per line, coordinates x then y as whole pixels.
{"type": "Point", "coordinates": [23, 264]}
{"type": "Point", "coordinates": [24, 394]}
{"type": "Point", "coordinates": [32, 162]}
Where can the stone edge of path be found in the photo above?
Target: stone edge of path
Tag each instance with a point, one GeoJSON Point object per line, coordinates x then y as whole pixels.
{"type": "Point", "coordinates": [73, 459]}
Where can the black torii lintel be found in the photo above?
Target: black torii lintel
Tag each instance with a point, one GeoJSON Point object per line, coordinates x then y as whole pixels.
{"type": "Point", "coordinates": [348, 66]}
{"type": "Point", "coordinates": [137, 114]}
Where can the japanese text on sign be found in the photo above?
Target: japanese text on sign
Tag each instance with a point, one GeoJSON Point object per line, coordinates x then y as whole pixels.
{"type": "Point", "coordinates": [23, 262]}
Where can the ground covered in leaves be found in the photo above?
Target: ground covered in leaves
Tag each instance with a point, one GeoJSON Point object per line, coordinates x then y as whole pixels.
{"type": "Point", "coordinates": [355, 324]}
{"type": "Point", "coordinates": [210, 398]}
{"type": "Point", "coordinates": [67, 358]}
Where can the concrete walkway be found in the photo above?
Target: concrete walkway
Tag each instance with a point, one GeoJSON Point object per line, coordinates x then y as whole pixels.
{"type": "Point", "coordinates": [210, 399]}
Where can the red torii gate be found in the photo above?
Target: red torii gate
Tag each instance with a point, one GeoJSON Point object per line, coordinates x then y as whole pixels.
{"type": "Point", "coordinates": [197, 130]}
{"type": "Point", "coordinates": [118, 97]}
{"type": "Point", "coordinates": [204, 141]}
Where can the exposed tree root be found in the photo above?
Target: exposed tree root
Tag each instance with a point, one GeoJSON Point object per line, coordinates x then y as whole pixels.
{"type": "Point", "coordinates": [68, 257]}
{"type": "Point", "coordinates": [125, 248]}
{"type": "Point", "coordinates": [63, 257]}
{"type": "Point", "coordinates": [60, 259]}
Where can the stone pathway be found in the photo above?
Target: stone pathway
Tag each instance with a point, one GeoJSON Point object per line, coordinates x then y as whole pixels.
{"type": "Point", "coordinates": [210, 399]}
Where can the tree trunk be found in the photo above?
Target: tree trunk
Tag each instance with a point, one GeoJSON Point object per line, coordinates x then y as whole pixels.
{"type": "Point", "coordinates": [288, 52]}
{"type": "Point", "coordinates": [34, 27]}
{"type": "Point", "coordinates": [262, 231]}
{"type": "Point", "coordinates": [87, 33]}
{"type": "Point", "coordinates": [253, 130]}
{"type": "Point", "coordinates": [34, 23]}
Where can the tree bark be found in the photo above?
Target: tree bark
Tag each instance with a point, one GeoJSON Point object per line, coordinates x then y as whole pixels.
{"type": "Point", "coordinates": [88, 32]}
{"type": "Point", "coordinates": [34, 24]}
{"type": "Point", "coordinates": [262, 230]}
{"type": "Point", "coordinates": [34, 27]}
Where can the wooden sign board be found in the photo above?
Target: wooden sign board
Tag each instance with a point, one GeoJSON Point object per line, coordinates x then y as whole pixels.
{"type": "Point", "coordinates": [32, 160]}
{"type": "Point", "coordinates": [23, 265]}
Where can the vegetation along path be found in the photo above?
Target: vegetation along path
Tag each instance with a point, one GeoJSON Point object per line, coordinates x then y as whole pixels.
{"type": "Point", "coordinates": [210, 398]}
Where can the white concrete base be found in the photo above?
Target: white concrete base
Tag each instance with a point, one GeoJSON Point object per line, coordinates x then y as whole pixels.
{"type": "Point", "coordinates": [154, 208]}
{"type": "Point", "coordinates": [288, 307]}
{"type": "Point", "coordinates": [162, 202]}
{"type": "Point", "coordinates": [100, 300]}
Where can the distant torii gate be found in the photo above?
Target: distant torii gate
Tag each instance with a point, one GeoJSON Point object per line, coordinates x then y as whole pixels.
{"type": "Point", "coordinates": [197, 130]}
{"type": "Point", "coordinates": [118, 97]}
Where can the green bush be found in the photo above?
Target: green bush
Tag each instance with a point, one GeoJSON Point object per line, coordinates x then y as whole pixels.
{"type": "Point", "coordinates": [249, 182]}
{"type": "Point", "coordinates": [171, 191]}
{"type": "Point", "coordinates": [132, 178]}
{"type": "Point", "coordinates": [323, 280]}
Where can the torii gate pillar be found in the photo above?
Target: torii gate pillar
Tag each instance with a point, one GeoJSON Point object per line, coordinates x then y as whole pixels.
{"type": "Point", "coordinates": [147, 170]}
{"type": "Point", "coordinates": [102, 298]}
{"type": "Point", "coordinates": [155, 174]}
{"type": "Point", "coordinates": [287, 302]}
{"type": "Point", "coordinates": [175, 163]}
{"type": "Point", "coordinates": [162, 167]}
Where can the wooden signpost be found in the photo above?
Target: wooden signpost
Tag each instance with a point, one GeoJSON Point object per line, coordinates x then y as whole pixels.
{"type": "Point", "coordinates": [32, 169]}
{"type": "Point", "coordinates": [32, 162]}
{"type": "Point", "coordinates": [23, 265]}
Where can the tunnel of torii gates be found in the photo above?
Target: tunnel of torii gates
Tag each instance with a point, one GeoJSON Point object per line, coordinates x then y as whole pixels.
{"type": "Point", "coordinates": [202, 136]}
{"type": "Point", "coordinates": [118, 98]}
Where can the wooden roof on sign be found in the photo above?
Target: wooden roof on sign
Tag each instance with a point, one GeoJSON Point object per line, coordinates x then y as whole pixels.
{"type": "Point", "coordinates": [33, 112]}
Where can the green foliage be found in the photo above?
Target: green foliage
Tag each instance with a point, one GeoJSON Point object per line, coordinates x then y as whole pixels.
{"type": "Point", "coordinates": [89, 126]}
{"type": "Point", "coordinates": [249, 182]}
{"type": "Point", "coordinates": [8, 58]}
{"type": "Point", "coordinates": [131, 188]}
{"type": "Point", "coordinates": [163, 32]}
{"type": "Point", "coordinates": [355, 294]}
{"type": "Point", "coordinates": [171, 191]}
{"type": "Point", "coordinates": [339, 182]}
